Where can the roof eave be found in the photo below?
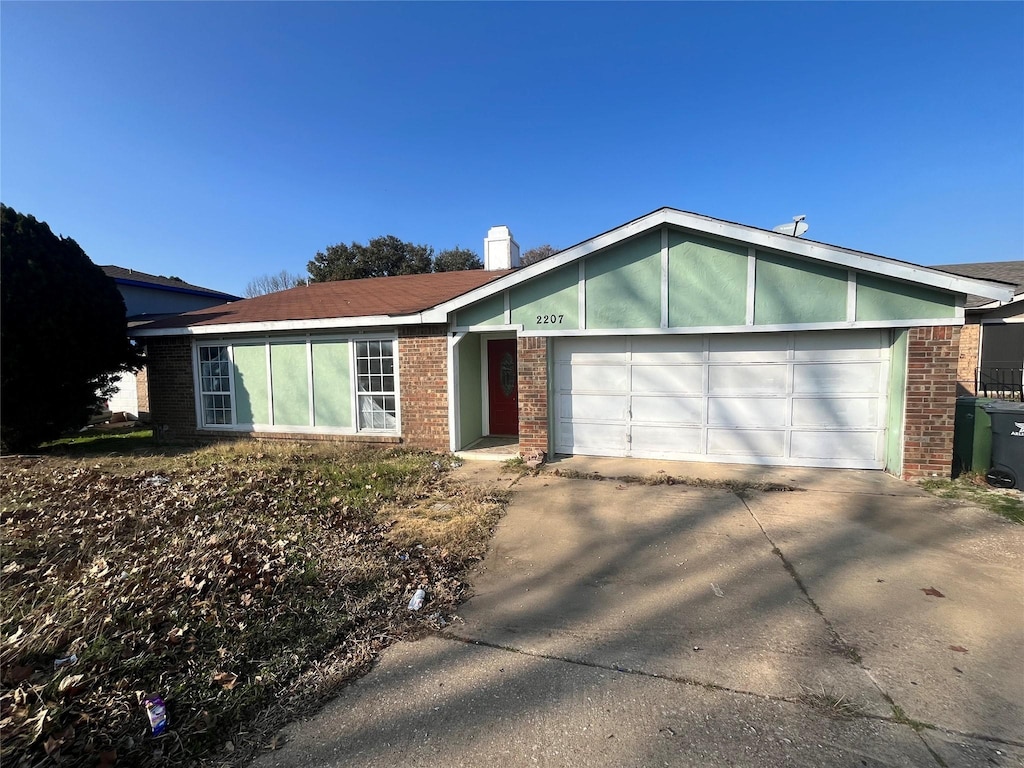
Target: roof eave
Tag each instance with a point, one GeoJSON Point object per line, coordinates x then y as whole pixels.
{"type": "Point", "coordinates": [279, 326]}
{"type": "Point", "coordinates": [175, 289]}
{"type": "Point", "coordinates": [997, 304]}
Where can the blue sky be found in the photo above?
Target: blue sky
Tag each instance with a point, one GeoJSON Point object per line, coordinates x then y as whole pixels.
{"type": "Point", "coordinates": [221, 141]}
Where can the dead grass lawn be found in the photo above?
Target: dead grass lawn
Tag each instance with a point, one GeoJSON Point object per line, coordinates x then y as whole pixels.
{"type": "Point", "coordinates": [242, 582]}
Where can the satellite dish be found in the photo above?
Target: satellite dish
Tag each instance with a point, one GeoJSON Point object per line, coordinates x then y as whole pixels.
{"type": "Point", "coordinates": [796, 227]}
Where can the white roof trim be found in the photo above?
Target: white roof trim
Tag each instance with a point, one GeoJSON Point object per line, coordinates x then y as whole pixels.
{"type": "Point", "coordinates": [741, 233]}
{"type": "Point", "coordinates": [997, 304]}
{"type": "Point", "coordinates": [326, 323]}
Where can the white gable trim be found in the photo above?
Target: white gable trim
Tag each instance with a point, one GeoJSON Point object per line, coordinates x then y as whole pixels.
{"type": "Point", "coordinates": [741, 233]}
{"type": "Point", "coordinates": [366, 321]}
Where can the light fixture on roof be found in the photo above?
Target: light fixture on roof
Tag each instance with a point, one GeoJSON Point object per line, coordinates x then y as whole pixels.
{"type": "Point", "coordinates": [795, 228]}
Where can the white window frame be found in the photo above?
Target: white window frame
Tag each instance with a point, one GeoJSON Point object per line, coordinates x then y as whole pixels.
{"type": "Point", "coordinates": [308, 340]}
{"type": "Point", "coordinates": [201, 393]}
{"type": "Point", "coordinates": [357, 393]}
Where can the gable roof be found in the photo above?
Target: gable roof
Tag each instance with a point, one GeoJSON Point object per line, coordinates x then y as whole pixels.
{"type": "Point", "coordinates": [741, 234]}
{"type": "Point", "coordinates": [126, 276]}
{"type": "Point", "coordinates": [373, 301]}
{"type": "Point", "coordinates": [1009, 272]}
{"type": "Point", "coordinates": [410, 299]}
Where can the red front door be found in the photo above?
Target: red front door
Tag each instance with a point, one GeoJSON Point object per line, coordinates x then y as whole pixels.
{"type": "Point", "coordinates": [502, 387]}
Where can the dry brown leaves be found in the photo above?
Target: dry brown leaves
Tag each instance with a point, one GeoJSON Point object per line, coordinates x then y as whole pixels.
{"type": "Point", "coordinates": [218, 588]}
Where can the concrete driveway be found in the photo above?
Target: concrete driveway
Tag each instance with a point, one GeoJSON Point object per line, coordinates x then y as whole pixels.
{"type": "Point", "coordinates": [857, 621]}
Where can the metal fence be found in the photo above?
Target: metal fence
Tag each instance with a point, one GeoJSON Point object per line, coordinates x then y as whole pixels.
{"type": "Point", "coordinates": [1002, 383]}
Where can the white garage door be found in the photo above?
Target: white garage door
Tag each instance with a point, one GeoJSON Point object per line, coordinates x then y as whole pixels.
{"type": "Point", "coordinates": [807, 399]}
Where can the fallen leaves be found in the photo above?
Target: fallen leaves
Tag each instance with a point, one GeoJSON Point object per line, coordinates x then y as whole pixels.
{"type": "Point", "coordinates": [215, 584]}
{"type": "Point", "coordinates": [932, 592]}
{"type": "Point", "coordinates": [225, 680]}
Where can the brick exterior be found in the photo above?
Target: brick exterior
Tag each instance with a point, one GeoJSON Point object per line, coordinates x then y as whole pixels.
{"type": "Point", "coordinates": [936, 360]}
{"type": "Point", "coordinates": [532, 362]}
{"type": "Point", "coordinates": [932, 358]}
{"type": "Point", "coordinates": [172, 400]}
{"type": "Point", "coordinates": [967, 364]}
{"type": "Point", "coordinates": [423, 377]}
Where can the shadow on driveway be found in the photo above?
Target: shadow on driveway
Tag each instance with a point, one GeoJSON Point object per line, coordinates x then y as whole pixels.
{"type": "Point", "coordinates": [620, 624]}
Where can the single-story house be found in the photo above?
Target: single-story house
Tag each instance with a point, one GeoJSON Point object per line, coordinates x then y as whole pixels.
{"type": "Point", "coordinates": [992, 339]}
{"type": "Point", "coordinates": [147, 297]}
{"type": "Point", "coordinates": [673, 336]}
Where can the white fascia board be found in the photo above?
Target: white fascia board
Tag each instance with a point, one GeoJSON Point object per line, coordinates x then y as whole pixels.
{"type": "Point", "coordinates": [276, 326]}
{"type": "Point", "coordinates": [740, 233]}
{"type": "Point", "coordinates": [858, 260]}
{"type": "Point", "coordinates": [997, 304]}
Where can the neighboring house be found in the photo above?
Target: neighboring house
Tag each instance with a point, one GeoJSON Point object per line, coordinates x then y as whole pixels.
{"type": "Point", "coordinates": [992, 339]}
{"type": "Point", "coordinates": [147, 297]}
{"type": "Point", "coordinates": [672, 336]}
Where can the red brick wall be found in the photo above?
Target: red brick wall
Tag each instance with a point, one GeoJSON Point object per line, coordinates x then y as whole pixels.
{"type": "Point", "coordinates": [172, 403]}
{"type": "Point", "coordinates": [932, 357]}
{"type": "Point", "coordinates": [967, 363]}
{"type": "Point", "coordinates": [533, 394]}
{"type": "Point", "coordinates": [423, 377]}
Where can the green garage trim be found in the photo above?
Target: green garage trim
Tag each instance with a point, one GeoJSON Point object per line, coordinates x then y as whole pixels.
{"type": "Point", "coordinates": [881, 299]}
{"type": "Point", "coordinates": [550, 302]}
{"type": "Point", "coordinates": [707, 282]}
{"type": "Point", "coordinates": [332, 389]}
{"type": "Point", "coordinates": [897, 395]}
{"type": "Point", "coordinates": [624, 285]}
{"type": "Point", "coordinates": [788, 290]}
{"type": "Point", "coordinates": [251, 403]}
{"type": "Point", "coordinates": [290, 382]}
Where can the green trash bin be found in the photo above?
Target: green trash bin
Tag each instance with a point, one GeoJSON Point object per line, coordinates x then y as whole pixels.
{"type": "Point", "coordinates": [972, 436]}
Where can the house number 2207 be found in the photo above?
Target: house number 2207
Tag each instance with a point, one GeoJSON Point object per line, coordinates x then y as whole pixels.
{"type": "Point", "coordinates": [550, 319]}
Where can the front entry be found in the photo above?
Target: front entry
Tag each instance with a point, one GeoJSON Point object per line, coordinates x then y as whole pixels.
{"type": "Point", "coordinates": [502, 387]}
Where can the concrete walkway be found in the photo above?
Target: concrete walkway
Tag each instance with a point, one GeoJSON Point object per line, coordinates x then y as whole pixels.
{"type": "Point", "coordinates": [623, 624]}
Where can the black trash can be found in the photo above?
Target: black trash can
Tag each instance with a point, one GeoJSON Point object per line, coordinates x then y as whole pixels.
{"type": "Point", "coordinates": [1007, 444]}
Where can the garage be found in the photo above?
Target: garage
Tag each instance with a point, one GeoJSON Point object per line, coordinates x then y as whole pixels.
{"type": "Point", "coordinates": [807, 399]}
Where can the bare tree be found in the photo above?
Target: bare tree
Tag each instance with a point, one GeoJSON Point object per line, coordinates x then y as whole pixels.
{"type": "Point", "coordinates": [264, 284]}
{"type": "Point", "coordinates": [539, 253]}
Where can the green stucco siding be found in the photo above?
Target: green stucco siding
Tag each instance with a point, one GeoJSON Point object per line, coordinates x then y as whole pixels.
{"type": "Point", "coordinates": [471, 427]}
{"type": "Point", "coordinates": [251, 404]}
{"type": "Point", "coordinates": [623, 285]}
{"type": "Point", "coordinates": [332, 392]}
{"type": "Point", "coordinates": [897, 395]}
{"type": "Point", "coordinates": [490, 311]}
{"type": "Point", "coordinates": [288, 370]}
{"type": "Point", "coordinates": [881, 299]}
{"type": "Point", "coordinates": [548, 303]}
{"type": "Point", "coordinates": [707, 282]}
{"type": "Point", "coordinates": [788, 290]}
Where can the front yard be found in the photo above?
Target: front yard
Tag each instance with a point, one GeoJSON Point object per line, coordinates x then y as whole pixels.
{"type": "Point", "coordinates": [242, 583]}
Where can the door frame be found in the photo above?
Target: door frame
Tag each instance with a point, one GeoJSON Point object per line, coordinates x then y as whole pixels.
{"type": "Point", "coordinates": [485, 399]}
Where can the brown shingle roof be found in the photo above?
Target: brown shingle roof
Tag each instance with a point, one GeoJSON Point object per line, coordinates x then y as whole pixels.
{"type": "Point", "coordinates": [399, 295]}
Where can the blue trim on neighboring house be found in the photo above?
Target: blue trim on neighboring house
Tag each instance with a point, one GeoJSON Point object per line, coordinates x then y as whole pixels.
{"type": "Point", "coordinates": [176, 289]}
